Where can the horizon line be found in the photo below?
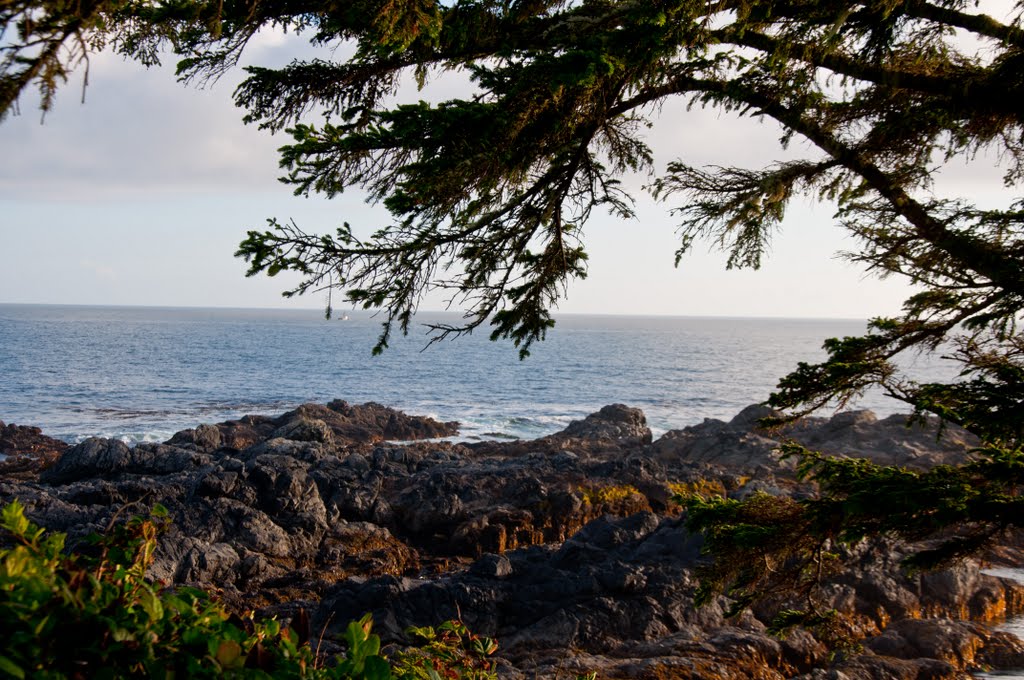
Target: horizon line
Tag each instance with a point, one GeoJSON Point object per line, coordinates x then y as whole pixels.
{"type": "Point", "coordinates": [371, 313]}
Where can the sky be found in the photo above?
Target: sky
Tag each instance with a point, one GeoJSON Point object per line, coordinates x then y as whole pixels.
{"type": "Point", "coordinates": [141, 194]}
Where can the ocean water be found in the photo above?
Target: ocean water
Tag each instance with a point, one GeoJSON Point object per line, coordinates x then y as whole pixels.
{"type": "Point", "coordinates": [141, 374]}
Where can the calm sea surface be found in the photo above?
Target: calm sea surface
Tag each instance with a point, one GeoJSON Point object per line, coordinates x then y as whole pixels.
{"type": "Point", "coordinates": [141, 374]}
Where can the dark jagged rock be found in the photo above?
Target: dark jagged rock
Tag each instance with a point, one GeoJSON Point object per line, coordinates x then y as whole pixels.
{"type": "Point", "coordinates": [741, 444]}
{"type": "Point", "coordinates": [961, 644]}
{"type": "Point", "coordinates": [25, 451]}
{"type": "Point", "coordinates": [615, 425]}
{"type": "Point", "coordinates": [567, 548]}
{"type": "Point", "coordinates": [109, 457]}
{"type": "Point", "coordinates": [315, 499]}
{"type": "Point", "coordinates": [619, 595]}
{"type": "Point", "coordinates": [21, 440]}
{"type": "Point", "coordinates": [615, 428]}
{"type": "Point", "coordinates": [338, 422]}
{"type": "Point", "coordinates": [895, 440]}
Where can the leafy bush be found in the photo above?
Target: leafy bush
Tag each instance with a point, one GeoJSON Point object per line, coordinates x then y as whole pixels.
{"type": "Point", "coordinates": [96, 616]}
{"type": "Point", "coordinates": [451, 648]}
{"type": "Point", "coordinates": [703, 488]}
{"type": "Point", "coordinates": [609, 495]}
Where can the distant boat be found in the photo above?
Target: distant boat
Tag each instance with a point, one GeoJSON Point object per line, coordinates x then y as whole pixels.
{"type": "Point", "coordinates": [344, 317]}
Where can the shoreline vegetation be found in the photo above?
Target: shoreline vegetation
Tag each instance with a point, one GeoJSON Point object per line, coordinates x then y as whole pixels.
{"type": "Point", "coordinates": [572, 551]}
{"type": "Point", "coordinates": [125, 625]}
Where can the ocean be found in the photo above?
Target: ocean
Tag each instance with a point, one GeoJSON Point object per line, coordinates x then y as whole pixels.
{"type": "Point", "coordinates": [141, 374]}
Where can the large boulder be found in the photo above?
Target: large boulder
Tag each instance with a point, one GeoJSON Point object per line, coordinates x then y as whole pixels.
{"type": "Point", "coordinates": [26, 451]}
{"type": "Point", "coordinates": [22, 440]}
{"type": "Point", "coordinates": [615, 427]}
{"type": "Point", "coordinates": [337, 423]}
{"type": "Point", "coordinates": [96, 457]}
{"type": "Point", "coordinates": [738, 445]}
{"type": "Point", "coordinates": [896, 440]}
{"type": "Point", "coordinates": [742, 444]}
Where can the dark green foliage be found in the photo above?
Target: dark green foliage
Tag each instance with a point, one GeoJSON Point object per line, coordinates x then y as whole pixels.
{"type": "Point", "coordinates": [489, 194]}
{"type": "Point", "coordinates": [762, 546]}
{"type": "Point", "coordinates": [76, 616]}
{"type": "Point", "coordinates": [776, 547]}
{"type": "Point", "coordinates": [451, 646]}
{"type": "Point", "coordinates": [120, 624]}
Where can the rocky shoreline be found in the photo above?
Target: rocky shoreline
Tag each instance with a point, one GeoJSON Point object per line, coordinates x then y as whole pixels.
{"type": "Point", "coordinates": [566, 548]}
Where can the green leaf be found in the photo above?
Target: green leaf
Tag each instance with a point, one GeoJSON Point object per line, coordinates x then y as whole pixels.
{"type": "Point", "coordinates": [151, 604]}
{"type": "Point", "coordinates": [9, 667]}
{"type": "Point", "coordinates": [229, 654]}
{"type": "Point", "coordinates": [377, 668]}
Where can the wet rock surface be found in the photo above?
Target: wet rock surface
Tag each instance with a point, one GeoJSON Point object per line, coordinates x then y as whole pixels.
{"type": "Point", "coordinates": [567, 548]}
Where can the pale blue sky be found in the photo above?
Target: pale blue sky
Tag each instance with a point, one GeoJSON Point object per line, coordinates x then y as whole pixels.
{"type": "Point", "coordinates": [141, 195]}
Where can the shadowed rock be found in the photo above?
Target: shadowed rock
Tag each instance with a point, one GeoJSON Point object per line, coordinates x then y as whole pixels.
{"type": "Point", "coordinates": [25, 451]}
{"type": "Point", "coordinates": [336, 423]}
{"type": "Point", "coordinates": [741, 444]}
{"type": "Point", "coordinates": [615, 425]}
{"type": "Point", "coordinates": [617, 598]}
{"type": "Point", "coordinates": [567, 548]}
{"type": "Point", "coordinates": [21, 440]}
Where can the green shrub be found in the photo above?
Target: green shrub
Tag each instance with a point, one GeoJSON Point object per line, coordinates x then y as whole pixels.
{"type": "Point", "coordinates": [96, 616]}
{"type": "Point", "coordinates": [450, 648]}
{"type": "Point", "coordinates": [609, 495]}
